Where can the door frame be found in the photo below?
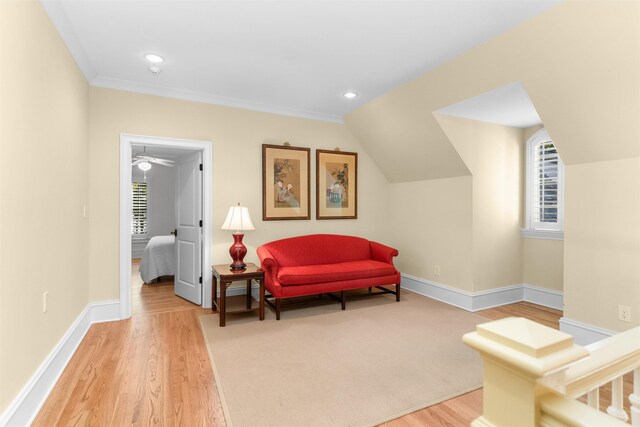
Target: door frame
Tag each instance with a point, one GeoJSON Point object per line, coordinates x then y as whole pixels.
{"type": "Point", "coordinates": [126, 142]}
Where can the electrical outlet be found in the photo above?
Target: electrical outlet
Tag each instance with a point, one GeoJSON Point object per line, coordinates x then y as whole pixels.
{"type": "Point", "coordinates": [436, 270]}
{"type": "Point", "coordinates": [624, 313]}
{"type": "Point", "coordinates": [84, 211]}
{"type": "Point", "coordinates": [45, 302]}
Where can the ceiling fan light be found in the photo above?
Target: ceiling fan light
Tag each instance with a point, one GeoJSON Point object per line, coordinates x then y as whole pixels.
{"type": "Point", "coordinates": [144, 166]}
{"type": "Point", "coordinates": [152, 57]}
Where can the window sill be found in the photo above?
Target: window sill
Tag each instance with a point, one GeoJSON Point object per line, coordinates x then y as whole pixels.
{"type": "Point", "coordinates": [542, 234]}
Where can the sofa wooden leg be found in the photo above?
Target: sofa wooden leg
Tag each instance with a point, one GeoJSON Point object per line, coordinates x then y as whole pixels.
{"type": "Point", "coordinates": [370, 289]}
{"type": "Point", "coordinates": [278, 308]}
{"type": "Point", "coordinates": [343, 300]}
{"type": "Point", "coordinates": [397, 291]}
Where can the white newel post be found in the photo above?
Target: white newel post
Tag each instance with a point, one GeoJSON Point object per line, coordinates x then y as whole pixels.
{"type": "Point", "coordinates": [522, 361]}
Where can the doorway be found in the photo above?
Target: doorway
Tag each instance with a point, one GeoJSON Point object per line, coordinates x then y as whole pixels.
{"type": "Point", "coordinates": [166, 146]}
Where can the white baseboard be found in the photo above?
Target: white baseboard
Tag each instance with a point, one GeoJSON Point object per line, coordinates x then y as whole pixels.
{"type": "Point", "coordinates": [583, 333]}
{"type": "Point", "coordinates": [496, 297]}
{"type": "Point", "coordinates": [451, 296]}
{"type": "Point", "coordinates": [474, 301]}
{"type": "Point", "coordinates": [24, 408]}
{"type": "Point", "coordinates": [137, 247]}
{"type": "Point", "coordinates": [105, 311]}
{"type": "Point", "coordinates": [543, 296]}
{"type": "Point", "coordinates": [470, 301]}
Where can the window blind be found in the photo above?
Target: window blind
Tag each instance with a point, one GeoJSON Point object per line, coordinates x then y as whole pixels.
{"type": "Point", "coordinates": [139, 208]}
{"type": "Point", "coordinates": [546, 176]}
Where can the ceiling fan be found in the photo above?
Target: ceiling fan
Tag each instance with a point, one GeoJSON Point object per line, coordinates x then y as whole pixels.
{"type": "Point", "coordinates": [144, 162]}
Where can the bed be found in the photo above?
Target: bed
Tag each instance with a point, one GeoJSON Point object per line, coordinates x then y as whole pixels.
{"type": "Point", "coordinates": [158, 258]}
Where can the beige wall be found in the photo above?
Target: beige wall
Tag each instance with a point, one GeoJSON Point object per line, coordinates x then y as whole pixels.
{"type": "Point", "coordinates": [543, 263]}
{"type": "Point", "coordinates": [237, 136]}
{"type": "Point", "coordinates": [530, 131]}
{"type": "Point", "coordinates": [581, 70]}
{"type": "Point", "coordinates": [399, 132]}
{"type": "Point", "coordinates": [602, 242]}
{"type": "Point", "coordinates": [542, 259]}
{"type": "Point", "coordinates": [580, 64]}
{"type": "Point", "coordinates": [43, 170]}
{"type": "Point", "coordinates": [470, 225]}
{"type": "Point", "coordinates": [493, 154]}
{"type": "Point", "coordinates": [431, 224]}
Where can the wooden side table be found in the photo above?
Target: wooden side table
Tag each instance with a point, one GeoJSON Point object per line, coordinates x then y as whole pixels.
{"type": "Point", "coordinates": [226, 276]}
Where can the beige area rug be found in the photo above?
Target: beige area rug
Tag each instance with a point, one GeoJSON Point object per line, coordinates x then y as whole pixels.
{"type": "Point", "coordinates": [321, 366]}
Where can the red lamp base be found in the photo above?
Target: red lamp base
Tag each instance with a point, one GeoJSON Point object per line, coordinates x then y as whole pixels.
{"type": "Point", "coordinates": [237, 251]}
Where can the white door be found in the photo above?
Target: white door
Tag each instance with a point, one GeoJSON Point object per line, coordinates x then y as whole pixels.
{"type": "Point", "coordinates": [188, 249]}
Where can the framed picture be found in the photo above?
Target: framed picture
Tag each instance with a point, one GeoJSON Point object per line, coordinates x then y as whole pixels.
{"type": "Point", "coordinates": [285, 183]}
{"type": "Point", "coordinates": [336, 185]}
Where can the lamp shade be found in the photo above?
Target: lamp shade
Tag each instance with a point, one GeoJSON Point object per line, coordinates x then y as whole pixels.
{"type": "Point", "coordinates": [144, 166]}
{"type": "Point", "coordinates": [238, 219]}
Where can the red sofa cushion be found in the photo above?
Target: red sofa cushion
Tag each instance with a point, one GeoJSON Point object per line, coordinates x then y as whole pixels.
{"type": "Point", "coordinates": [319, 249]}
{"type": "Point", "coordinates": [309, 274]}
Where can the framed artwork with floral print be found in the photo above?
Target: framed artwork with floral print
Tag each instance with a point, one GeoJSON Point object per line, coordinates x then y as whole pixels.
{"type": "Point", "coordinates": [336, 185]}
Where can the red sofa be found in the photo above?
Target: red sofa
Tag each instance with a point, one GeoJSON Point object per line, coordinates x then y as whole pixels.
{"type": "Point", "coordinates": [326, 263]}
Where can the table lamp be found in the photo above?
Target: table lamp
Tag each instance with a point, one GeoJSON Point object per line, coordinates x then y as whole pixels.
{"type": "Point", "coordinates": [238, 220]}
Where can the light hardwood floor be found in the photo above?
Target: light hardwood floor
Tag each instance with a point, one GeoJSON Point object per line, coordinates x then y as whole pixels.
{"type": "Point", "coordinates": [154, 298]}
{"type": "Point", "coordinates": [154, 369]}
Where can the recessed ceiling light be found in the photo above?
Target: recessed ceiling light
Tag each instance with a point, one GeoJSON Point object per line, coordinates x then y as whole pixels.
{"type": "Point", "coordinates": [350, 95]}
{"type": "Point", "coordinates": [152, 57]}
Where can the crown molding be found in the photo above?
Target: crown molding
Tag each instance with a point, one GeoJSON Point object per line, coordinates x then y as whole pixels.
{"type": "Point", "coordinates": [187, 95]}
{"type": "Point", "coordinates": [58, 17]}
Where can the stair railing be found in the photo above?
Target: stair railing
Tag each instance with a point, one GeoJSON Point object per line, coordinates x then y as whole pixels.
{"type": "Point", "coordinates": [533, 374]}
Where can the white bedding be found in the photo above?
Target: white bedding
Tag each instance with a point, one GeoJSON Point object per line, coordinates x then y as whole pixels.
{"type": "Point", "coordinates": [158, 258]}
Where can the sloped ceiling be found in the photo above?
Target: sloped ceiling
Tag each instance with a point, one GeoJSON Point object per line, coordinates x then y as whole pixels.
{"type": "Point", "coordinates": [399, 133]}
{"type": "Point", "coordinates": [579, 62]}
{"type": "Point", "coordinates": [288, 57]}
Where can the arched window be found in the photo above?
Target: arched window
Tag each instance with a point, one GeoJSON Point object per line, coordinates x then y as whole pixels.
{"type": "Point", "coordinates": [545, 188]}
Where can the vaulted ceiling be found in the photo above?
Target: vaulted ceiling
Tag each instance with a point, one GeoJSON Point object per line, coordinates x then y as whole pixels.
{"type": "Point", "coordinates": [576, 62]}
{"type": "Point", "coordinates": [288, 57]}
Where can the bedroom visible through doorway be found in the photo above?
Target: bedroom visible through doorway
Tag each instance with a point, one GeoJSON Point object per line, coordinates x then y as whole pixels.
{"type": "Point", "coordinates": [166, 200]}
{"type": "Point", "coordinates": [165, 225]}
